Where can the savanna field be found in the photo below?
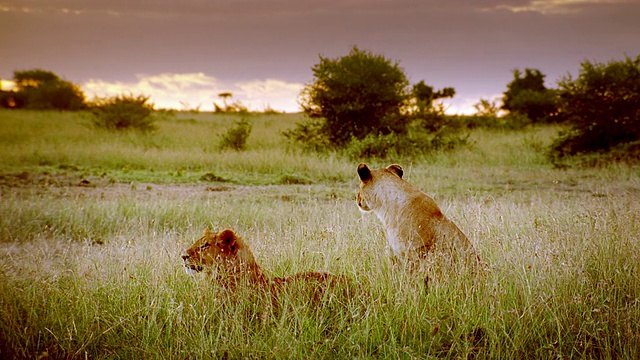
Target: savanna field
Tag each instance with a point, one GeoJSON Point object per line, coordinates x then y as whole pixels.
{"type": "Point", "coordinates": [93, 223]}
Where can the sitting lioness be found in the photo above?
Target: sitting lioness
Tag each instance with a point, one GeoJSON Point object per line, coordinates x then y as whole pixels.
{"type": "Point", "coordinates": [229, 257]}
{"type": "Point", "coordinates": [413, 223]}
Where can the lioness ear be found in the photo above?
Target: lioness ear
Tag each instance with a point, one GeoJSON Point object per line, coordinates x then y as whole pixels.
{"type": "Point", "coordinates": [396, 169]}
{"type": "Point", "coordinates": [227, 239]}
{"type": "Point", "coordinates": [364, 172]}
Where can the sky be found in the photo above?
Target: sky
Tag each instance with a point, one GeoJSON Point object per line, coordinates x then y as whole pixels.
{"type": "Point", "coordinates": [184, 53]}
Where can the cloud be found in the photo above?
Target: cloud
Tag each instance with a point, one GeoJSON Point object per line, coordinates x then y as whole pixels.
{"type": "Point", "coordinates": [190, 91]}
{"type": "Point", "coordinates": [254, 9]}
{"type": "Point", "coordinates": [467, 105]}
{"type": "Point", "coordinates": [555, 6]}
{"type": "Point", "coordinates": [259, 10]}
{"type": "Point", "coordinates": [276, 94]}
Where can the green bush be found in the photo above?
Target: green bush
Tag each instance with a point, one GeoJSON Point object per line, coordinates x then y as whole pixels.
{"type": "Point", "coordinates": [601, 106]}
{"type": "Point", "coordinates": [528, 96]}
{"type": "Point", "coordinates": [356, 95]}
{"type": "Point", "coordinates": [375, 146]}
{"type": "Point", "coordinates": [236, 137]}
{"type": "Point", "coordinates": [310, 134]}
{"type": "Point", "coordinates": [434, 130]}
{"type": "Point", "coordinates": [124, 112]}
{"type": "Point", "coordinates": [416, 141]}
{"type": "Point", "coordinates": [511, 121]}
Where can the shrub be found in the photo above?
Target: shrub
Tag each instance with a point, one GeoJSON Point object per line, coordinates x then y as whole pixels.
{"type": "Point", "coordinates": [527, 95]}
{"type": "Point", "coordinates": [124, 112]}
{"type": "Point", "coordinates": [310, 134]}
{"type": "Point", "coordinates": [487, 107]}
{"type": "Point", "coordinates": [417, 140]}
{"type": "Point", "coordinates": [236, 137]}
{"type": "Point", "coordinates": [235, 107]}
{"type": "Point", "coordinates": [435, 130]}
{"type": "Point", "coordinates": [513, 121]}
{"type": "Point", "coordinates": [375, 146]}
{"type": "Point", "coordinates": [601, 106]}
{"type": "Point", "coordinates": [356, 95]}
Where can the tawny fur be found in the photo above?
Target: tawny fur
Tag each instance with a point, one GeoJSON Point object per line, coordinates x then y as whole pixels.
{"type": "Point", "coordinates": [414, 224]}
{"type": "Point", "coordinates": [226, 257]}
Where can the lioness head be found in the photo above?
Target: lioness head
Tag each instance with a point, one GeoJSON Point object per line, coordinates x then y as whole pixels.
{"type": "Point", "coordinates": [214, 249]}
{"type": "Point", "coordinates": [368, 193]}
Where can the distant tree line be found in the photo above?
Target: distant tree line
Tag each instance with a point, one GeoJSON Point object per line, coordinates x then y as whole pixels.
{"type": "Point", "coordinates": [363, 104]}
{"type": "Point", "coordinates": [42, 90]}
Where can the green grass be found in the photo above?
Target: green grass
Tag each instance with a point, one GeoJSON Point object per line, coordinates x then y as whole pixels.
{"type": "Point", "coordinates": [93, 270]}
{"type": "Point", "coordinates": [183, 149]}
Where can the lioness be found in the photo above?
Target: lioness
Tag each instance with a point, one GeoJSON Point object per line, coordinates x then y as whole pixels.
{"type": "Point", "coordinates": [226, 254]}
{"type": "Point", "coordinates": [413, 223]}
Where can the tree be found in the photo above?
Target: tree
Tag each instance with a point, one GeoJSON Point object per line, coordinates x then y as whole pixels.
{"type": "Point", "coordinates": [528, 96]}
{"type": "Point", "coordinates": [602, 106]}
{"type": "Point", "coordinates": [42, 90]}
{"type": "Point", "coordinates": [224, 96]}
{"type": "Point", "coordinates": [356, 95]}
{"type": "Point", "coordinates": [235, 107]}
{"type": "Point", "coordinates": [424, 95]}
{"type": "Point", "coordinates": [33, 78]}
{"type": "Point", "coordinates": [432, 117]}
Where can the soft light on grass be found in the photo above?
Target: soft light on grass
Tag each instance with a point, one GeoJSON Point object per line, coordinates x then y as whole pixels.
{"type": "Point", "coordinates": [561, 282]}
{"type": "Point", "coordinates": [93, 270]}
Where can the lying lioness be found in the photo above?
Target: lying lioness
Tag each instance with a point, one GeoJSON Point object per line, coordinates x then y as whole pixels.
{"type": "Point", "coordinates": [228, 258]}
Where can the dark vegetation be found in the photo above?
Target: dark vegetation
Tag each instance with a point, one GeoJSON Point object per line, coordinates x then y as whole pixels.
{"type": "Point", "coordinates": [527, 96]}
{"type": "Point", "coordinates": [236, 136]}
{"type": "Point", "coordinates": [356, 95]}
{"type": "Point", "coordinates": [362, 104]}
{"type": "Point", "coordinates": [123, 112]}
{"type": "Point", "coordinates": [42, 90]}
{"type": "Point", "coordinates": [602, 108]}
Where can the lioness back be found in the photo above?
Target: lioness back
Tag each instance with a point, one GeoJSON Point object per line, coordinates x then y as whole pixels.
{"type": "Point", "coordinates": [228, 260]}
{"type": "Point", "coordinates": [226, 255]}
{"type": "Point", "coordinates": [413, 222]}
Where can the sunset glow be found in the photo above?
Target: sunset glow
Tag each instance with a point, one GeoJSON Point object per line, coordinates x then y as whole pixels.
{"type": "Point", "coordinates": [182, 56]}
{"type": "Point", "coordinates": [7, 85]}
{"type": "Point", "coordinates": [197, 91]}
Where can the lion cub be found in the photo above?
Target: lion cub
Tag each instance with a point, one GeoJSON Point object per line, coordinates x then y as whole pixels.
{"type": "Point", "coordinates": [229, 257]}
{"type": "Point", "coordinates": [413, 223]}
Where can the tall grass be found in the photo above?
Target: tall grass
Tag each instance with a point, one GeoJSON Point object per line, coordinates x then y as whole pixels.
{"type": "Point", "coordinates": [95, 271]}
{"type": "Point", "coordinates": [189, 144]}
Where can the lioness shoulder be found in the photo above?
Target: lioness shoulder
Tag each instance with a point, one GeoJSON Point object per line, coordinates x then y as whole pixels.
{"type": "Point", "coordinates": [413, 222]}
